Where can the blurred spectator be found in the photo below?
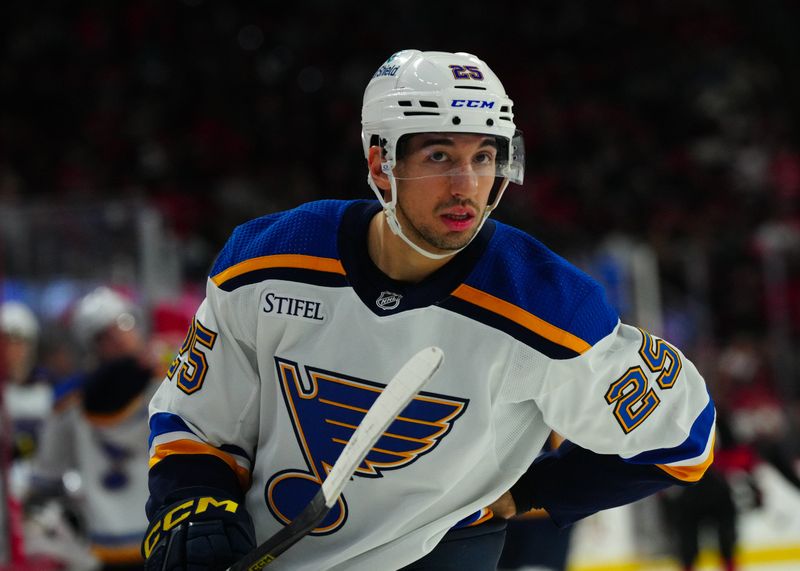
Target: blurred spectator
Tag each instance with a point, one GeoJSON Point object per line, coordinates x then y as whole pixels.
{"type": "Point", "coordinates": [106, 327]}
{"type": "Point", "coordinates": [99, 428]}
{"type": "Point", "coordinates": [749, 394]}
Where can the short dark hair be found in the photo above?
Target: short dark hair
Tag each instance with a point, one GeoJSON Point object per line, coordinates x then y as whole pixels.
{"type": "Point", "coordinates": [402, 144]}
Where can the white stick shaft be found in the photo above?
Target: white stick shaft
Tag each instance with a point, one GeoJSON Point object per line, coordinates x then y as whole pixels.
{"type": "Point", "coordinates": [391, 402]}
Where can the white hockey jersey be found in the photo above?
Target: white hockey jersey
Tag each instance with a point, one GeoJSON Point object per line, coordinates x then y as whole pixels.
{"type": "Point", "coordinates": [299, 333]}
{"type": "Point", "coordinates": [107, 450]}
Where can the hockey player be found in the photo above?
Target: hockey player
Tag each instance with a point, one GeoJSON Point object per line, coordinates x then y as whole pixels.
{"type": "Point", "coordinates": [27, 400]}
{"type": "Point", "coordinates": [308, 313]}
{"type": "Point", "coordinates": [98, 425]}
{"type": "Point", "coordinates": [23, 405]}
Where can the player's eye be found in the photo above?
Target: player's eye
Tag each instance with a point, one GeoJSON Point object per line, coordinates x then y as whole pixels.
{"type": "Point", "coordinates": [484, 158]}
{"type": "Point", "coordinates": [437, 156]}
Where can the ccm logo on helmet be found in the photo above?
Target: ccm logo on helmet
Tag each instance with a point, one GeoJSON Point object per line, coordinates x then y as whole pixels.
{"type": "Point", "coordinates": [475, 103]}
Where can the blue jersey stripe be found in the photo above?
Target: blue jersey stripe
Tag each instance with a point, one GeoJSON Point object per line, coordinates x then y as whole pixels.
{"type": "Point", "coordinates": [692, 447]}
{"type": "Point", "coordinates": [471, 519]}
{"type": "Point", "coordinates": [165, 422]}
{"type": "Point", "coordinates": [68, 386]}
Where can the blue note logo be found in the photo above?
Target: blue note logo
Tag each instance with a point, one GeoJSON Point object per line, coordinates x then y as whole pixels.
{"type": "Point", "coordinates": [325, 408]}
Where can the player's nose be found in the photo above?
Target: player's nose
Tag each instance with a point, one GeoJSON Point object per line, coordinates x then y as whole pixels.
{"type": "Point", "coordinates": [464, 181]}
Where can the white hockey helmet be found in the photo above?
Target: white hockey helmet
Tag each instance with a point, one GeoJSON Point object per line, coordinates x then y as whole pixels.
{"type": "Point", "coordinates": [438, 92]}
{"type": "Point", "coordinates": [17, 320]}
{"type": "Point", "coordinates": [99, 310]}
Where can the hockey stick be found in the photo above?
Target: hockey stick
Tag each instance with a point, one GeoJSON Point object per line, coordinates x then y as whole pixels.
{"type": "Point", "coordinates": [390, 403]}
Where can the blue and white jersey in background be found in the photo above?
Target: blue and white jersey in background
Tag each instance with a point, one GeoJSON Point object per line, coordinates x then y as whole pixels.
{"type": "Point", "coordinates": [97, 429]}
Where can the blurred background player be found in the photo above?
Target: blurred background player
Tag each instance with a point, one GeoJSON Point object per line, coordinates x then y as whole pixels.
{"type": "Point", "coordinates": [23, 405]}
{"type": "Point", "coordinates": [31, 534]}
{"type": "Point", "coordinates": [710, 504]}
{"type": "Point", "coordinates": [20, 330]}
{"type": "Point", "coordinates": [106, 326]}
{"type": "Point", "coordinates": [752, 433]}
{"type": "Point", "coordinates": [99, 428]}
{"type": "Point", "coordinates": [27, 401]}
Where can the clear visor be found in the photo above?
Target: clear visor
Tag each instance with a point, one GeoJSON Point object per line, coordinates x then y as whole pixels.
{"type": "Point", "coordinates": [478, 163]}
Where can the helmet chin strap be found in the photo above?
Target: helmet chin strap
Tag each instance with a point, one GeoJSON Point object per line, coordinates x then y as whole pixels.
{"type": "Point", "coordinates": [390, 211]}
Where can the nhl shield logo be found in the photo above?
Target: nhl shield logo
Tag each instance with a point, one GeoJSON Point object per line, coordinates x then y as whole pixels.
{"type": "Point", "coordinates": [388, 300]}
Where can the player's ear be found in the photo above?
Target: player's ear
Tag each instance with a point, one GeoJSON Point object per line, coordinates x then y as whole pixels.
{"type": "Point", "coordinates": [374, 163]}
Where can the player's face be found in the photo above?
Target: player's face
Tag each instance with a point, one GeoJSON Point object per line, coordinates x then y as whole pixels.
{"type": "Point", "coordinates": [18, 357]}
{"type": "Point", "coordinates": [443, 183]}
{"type": "Point", "coordinates": [118, 341]}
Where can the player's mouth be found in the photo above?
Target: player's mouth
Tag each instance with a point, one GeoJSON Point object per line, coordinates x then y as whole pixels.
{"type": "Point", "coordinates": [458, 219]}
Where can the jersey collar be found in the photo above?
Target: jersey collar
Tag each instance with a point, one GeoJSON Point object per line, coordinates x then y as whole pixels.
{"type": "Point", "coordinates": [380, 293]}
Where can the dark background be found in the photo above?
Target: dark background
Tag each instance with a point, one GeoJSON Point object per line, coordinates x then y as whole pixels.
{"type": "Point", "coordinates": [673, 123]}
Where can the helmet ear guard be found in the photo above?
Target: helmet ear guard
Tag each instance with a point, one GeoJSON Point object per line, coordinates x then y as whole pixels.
{"type": "Point", "coordinates": [437, 92]}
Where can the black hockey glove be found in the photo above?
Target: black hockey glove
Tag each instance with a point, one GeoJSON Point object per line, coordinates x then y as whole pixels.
{"type": "Point", "coordinates": [200, 533]}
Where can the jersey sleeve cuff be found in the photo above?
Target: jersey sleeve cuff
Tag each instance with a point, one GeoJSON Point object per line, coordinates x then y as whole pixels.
{"type": "Point", "coordinates": [572, 483]}
{"type": "Point", "coordinates": [182, 476]}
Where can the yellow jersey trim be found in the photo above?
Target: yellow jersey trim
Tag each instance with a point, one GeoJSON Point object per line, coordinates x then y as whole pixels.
{"type": "Point", "coordinates": [691, 473]}
{"type": "Point", "coordinates": [300, 261]}
{"type": "Point", "coordinates": [521, 317]}
{"type": "Point", "coordinates": [117, 555]}
{"type": "Point", "coordinates": [186, 446]}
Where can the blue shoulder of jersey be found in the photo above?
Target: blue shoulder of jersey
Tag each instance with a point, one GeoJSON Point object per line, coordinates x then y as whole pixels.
{"type": "Point", "coordinates": [303, 239]}
{"type": "Point", "coordinates": [66, 388]}
{"type": "Point", "coordinates": [541, 298]}
{"type": "Point", "coordinates": [309, 229]}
